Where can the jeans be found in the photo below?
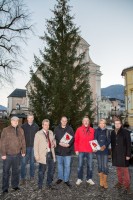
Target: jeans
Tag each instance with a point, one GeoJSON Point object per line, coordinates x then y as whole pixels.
{"type": "Point", "coordinates": [64, 164]}
{"type": "Point", "coordinates": [89, 160]}
{"type": "Point", "coordinates": [102, 160]}
{"type": "Point", "coordinates": [123, 176]}
{"type": "Point", "coordinates": [42, 168]}
{"type": "Point", "coordinates": [11, 161]}
{"type": "Point", "coordinates": [29, 156]}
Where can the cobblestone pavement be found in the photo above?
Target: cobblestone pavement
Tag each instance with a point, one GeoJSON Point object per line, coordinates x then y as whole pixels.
{"type": "Point", "coordinates": [62, 192]}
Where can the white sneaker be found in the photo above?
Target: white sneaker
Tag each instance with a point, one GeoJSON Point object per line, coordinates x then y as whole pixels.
{"type": "Point", "coordinates": [90, 181]}
{"type": "Point", "coordinates": [78, 182]}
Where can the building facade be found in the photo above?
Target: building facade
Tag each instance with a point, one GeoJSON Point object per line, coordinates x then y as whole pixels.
{"type": "Point", "coordinates": [104, 108]}
{"type": "Point", "coordinates": [17, 104]}
{"type": "Point", "coordinates": [95, 73]}
{"type": "Point", "coordinates": [127, 73]}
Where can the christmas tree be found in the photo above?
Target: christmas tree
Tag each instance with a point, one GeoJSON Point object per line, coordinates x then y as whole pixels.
{"type": "Point", "coordinates": [61, 85]}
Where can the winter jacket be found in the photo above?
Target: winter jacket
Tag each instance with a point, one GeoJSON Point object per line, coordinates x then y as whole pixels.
{"type": "Point", "coordinates": [82, 137]}
{"type": "Point", "coordinates": [59, 133]}
{"type": "Point", "coordinates": [121, 147]}
{"type": "Point", "coordinates": [103, 138]}
{"type": "Point", "coordinates": [12, 141]}
{"type": "Point", "coordinates": [29, 132]}
{"type": "Point", "coordinates": [41, 146]}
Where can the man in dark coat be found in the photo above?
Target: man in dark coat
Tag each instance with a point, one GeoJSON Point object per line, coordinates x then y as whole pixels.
{"type": "Point", "coordinates": [30, 128]}
{"type": "Point", "coordinates": [121, 152]}
{"type": "Point", "coordinates": [64, 136]}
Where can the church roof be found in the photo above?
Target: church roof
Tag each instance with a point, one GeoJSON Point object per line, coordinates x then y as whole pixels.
{"type": "Point", "coordinates": [18, 93]}
{"type": "Point", "coordinates": [84, 41]}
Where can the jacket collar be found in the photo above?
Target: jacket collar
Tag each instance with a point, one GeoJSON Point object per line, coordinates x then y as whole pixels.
{"type": "Point", "coordinates": [42, 131]}
{"type": "Point", "coordinates": [29, 124]}
{"type": "Point", "coordinates": [13, 127]}
{"type": "Point", "coordinates": [119, 130]}
{"type": "Point", "coordinates": [101, 129]}
{"type": "Point", "coordinates": [61, 126]}
{"type": "Point", "coordinates": [85, 129]}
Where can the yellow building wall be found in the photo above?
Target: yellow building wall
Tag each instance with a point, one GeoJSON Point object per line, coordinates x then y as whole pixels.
{"type": "Point", "coordinates": [129, 95]}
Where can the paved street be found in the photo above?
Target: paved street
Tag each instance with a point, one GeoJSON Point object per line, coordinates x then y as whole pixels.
{"type": "Point", "coordinates": [62, 192]}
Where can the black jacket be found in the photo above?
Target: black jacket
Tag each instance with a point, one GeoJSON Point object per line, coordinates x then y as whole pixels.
{"type": "Point", "coordinates": [121, 147]}
{"type": "Point", "coordinates": [59, 133]}
{"type": "Point", "coordinates": [29, 132]}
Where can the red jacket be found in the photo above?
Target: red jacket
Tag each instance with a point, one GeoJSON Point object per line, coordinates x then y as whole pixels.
{"type": "Point", "coordinates": [82, 137]}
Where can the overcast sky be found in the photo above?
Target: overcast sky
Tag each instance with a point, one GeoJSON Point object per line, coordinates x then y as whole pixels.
{"type": "Point", "coordinates": [107, 25]}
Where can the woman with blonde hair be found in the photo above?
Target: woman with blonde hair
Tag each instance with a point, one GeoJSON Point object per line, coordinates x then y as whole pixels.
{"type": "Point", "coordinates": [102, 135]}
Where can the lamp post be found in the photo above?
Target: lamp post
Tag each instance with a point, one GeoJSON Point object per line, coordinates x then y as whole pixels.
{"type": "Point", "coordinates": [98, 109]}
{"type": "Point", "coordinates": [115, 115]}
{"type": "Point", "coordinates": [97, 113]}
{"type": "Point", "coordinates": [114, 110]}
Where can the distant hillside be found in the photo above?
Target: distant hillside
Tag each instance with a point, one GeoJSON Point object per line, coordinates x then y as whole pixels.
{"type": "Point", "coordinates": [113, 91]}
{"type": "Point", "coordinates": [3, 107]}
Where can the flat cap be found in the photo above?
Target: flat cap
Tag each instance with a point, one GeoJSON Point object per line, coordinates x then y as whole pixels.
{"type": "Point", "coordinates": [14, 118]}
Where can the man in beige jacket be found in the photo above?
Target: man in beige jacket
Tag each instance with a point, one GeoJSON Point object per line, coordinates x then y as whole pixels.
{"type": "Point", "coordinates": [44, 145]}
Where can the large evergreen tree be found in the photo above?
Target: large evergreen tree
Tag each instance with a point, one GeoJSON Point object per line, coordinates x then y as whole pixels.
{"type": "Point", "coordinates": [62, 87]}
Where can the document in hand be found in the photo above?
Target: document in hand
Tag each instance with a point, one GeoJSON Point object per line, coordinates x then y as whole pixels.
{"type": "Point", "coordinates": [66, 138]}
{"type": "Point", "coordinates": [94, 145]}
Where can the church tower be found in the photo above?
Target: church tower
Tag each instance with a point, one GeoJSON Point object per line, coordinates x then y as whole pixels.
{"type": "Point", "coordinates": [95, 73]}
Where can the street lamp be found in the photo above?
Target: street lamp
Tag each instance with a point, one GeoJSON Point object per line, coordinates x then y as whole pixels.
{"type": "Point", "coordinates": [115, 110]}
{"type": "Point", "coordinates": [98, 111]}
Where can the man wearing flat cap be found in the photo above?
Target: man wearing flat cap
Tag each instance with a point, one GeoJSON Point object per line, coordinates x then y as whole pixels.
{"type": "Point", "coordinates": [12, 146]}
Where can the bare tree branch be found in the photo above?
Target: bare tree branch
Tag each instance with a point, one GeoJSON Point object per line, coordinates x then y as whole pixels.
{"type": "Point", "coordinates": [14, 27]}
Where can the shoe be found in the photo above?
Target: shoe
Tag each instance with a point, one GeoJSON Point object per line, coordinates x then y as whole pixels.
{"type": "Point", "coordinates": [5, 192]}
{"type": "Point", "coordinates": [16, 188]}
{"type": "Point", "coordinates": [127, 191]}
{"type": "Point", "coordinates": [51, 187]}
{"type": "Point", "coordinates": [23, 182]}
{"type": "Point", "coordinates": [118, 185]}
{"type": "Point", "coordinates": [32, 179]}
{"type": "Point", "coordinates": [78, 182]}
{"type": "Point", "coordinates": [39, 188]}
{"type": "Point", "coordinates": [90, 181]}
{"type": "Point", "coordinates": [68, 184]}
{"type": "Point", "coordinates": [58, 181]}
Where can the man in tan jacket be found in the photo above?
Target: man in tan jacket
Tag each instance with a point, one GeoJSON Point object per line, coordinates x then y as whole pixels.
{"type": "Point", "coordinates": [12, 145]}
{"type": "Point", "coordinates": [44, 145]}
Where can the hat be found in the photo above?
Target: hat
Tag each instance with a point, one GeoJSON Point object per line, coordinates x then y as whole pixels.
{"type": "Point", "coordinates": [14, 118]}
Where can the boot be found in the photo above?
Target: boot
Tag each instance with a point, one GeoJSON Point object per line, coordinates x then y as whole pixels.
{"type": "Point", "coordinates": [23, 182]}
{"type": "Point", "coordinates": [101, 179]}
{"type": "Point", "coordinates": [118, 185]}
{"type": "Point", "coordinates": [105, 184]}
{"type": "Point", "coordinates": [128, 191]}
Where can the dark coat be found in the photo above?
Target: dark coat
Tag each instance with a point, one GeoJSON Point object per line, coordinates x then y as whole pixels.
{"type": "Point", "coordinates": [59, 132]}
{"type": "Point", "coordinates": [29, 132]}
{"type": "Point", "coordinates": [103, 138]}
{"type": "Point", "coordinates": [121, 147]}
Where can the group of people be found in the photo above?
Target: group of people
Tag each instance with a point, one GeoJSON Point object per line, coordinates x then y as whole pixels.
{"type": "Point", "coordinates": [27, 143]}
